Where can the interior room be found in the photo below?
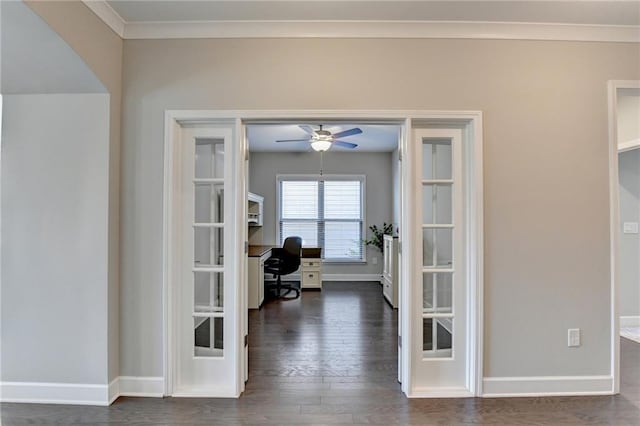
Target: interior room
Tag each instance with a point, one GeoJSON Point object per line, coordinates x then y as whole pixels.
{"type": "Point", "coordinates": [329, 197]}
{"type": "Point", "coordinates": [148, 212]}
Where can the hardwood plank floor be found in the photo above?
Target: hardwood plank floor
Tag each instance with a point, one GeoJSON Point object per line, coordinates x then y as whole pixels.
{"type": "Point", "coordinates": [330, 358]}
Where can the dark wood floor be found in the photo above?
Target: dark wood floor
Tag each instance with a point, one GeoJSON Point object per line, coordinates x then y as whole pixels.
{"type": "Point", "coordinates": [330, 358]}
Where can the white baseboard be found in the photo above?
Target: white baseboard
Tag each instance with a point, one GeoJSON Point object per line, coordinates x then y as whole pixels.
{"type": "Point", "coordinates": [338, 277]}
{"type": "Point", "coordinates": [630, 321]}
{"type": "Point", "coordinates": [352, 277]}
{"type": "Point", "coordinates": [55, 393]}
{"type": "Point", "coordinates": [141, 386]}
{"type": "Point", "coordinates": [440, 393]}
{"type": "Point", "coordinates": [547, 386]}
{"type": "Point", "coordinates": [81, 394]}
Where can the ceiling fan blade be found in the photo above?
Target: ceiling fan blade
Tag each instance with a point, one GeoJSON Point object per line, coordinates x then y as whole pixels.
{"type": "Point", "coordinates": [350, 132]}
{"type": "Point", "coordinates": [345, 144]}
{"type": "Point", "coordinates": [293, 140]}
{"type": "Point", "coordinates": [307, 129]}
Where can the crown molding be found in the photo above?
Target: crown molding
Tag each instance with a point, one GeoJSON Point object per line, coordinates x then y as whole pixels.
{"type": "Point", "coordinates": [363, 29]}
{"type": "Point", "coordinates": [109, 16]}
{"type": "Point", "coordinates": [382, 29]}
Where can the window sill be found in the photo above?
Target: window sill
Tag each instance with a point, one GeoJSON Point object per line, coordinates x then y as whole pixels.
{"type": "Point", "coordinates": [343, 262]}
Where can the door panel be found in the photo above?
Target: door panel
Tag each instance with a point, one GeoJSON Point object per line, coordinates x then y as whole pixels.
{"type": "Point", "coordinates": [440, 353]}
{"type": "Point", "coordinates": [205, 305]}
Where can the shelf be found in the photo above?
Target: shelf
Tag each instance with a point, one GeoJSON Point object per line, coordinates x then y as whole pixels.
{"type": "Point", "coordinates": [255, 206]}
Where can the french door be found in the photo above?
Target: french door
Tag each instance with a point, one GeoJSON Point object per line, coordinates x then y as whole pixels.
{"type": "Point", "coordinates": [440, 350]}
{"type": "Point", "coordinates": [205, 294]}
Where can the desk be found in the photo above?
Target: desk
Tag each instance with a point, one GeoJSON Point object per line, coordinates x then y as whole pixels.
{"type": "Point", "coordinates": [257, 256]}
{"type": "Point", "coordinates": [311, 272]}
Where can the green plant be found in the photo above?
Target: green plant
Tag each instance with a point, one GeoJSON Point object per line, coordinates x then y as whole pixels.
{"type": "Point", "coordinates": [378, 235]}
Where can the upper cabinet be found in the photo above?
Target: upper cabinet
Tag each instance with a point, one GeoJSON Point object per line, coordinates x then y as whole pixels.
{"type": "Point", "coordinates": [255, 209]}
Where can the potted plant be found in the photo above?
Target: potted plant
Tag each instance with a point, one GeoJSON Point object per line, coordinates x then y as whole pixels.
{"type": "Point", "coordinates": [377, 240]}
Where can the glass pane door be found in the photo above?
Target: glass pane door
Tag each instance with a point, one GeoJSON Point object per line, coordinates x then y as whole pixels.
{"type": "Point", "coordinates": [206, 361]}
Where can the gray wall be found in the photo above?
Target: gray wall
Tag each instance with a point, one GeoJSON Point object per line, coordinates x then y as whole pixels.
{"type": "Point", "coordinates": [629, 174]}
{"type": "Point", "coordinates": [101, 49]}
{"type": "Point", "coordinates": [54, 238]}
{"type": "Point", "coordinates": [542, 101]}
{"type": "Point", "coordinates": [376, 166]}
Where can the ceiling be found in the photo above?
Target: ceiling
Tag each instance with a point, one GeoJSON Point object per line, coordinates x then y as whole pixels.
{"type": "Point", "coordinates": [589, 20]}
{"type": "Point", "coordinates": [374, 137]}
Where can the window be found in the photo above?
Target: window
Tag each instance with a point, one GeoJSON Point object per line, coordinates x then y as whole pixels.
{"type": "Point", "coordinates": [325, 212]}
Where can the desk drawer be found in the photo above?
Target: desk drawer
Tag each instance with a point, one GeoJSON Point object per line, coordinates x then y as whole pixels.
{"type": "Point", "coordinates": [311, 263]}
{"type": "Point", "coordinates": [311, 279]}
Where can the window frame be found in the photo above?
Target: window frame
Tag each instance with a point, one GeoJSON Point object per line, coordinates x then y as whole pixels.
{"type": "Point", "coordinates": [327, 177]}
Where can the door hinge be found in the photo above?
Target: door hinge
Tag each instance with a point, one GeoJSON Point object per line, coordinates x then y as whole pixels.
{"type": "Point", "coordinates": [399, 341]}
{"type": "Point", "coordinates": [400, 247]}
{"type": "Point", "coordinates": [246, 247]}
{"type": "Point", "coordinates": [246, 340]}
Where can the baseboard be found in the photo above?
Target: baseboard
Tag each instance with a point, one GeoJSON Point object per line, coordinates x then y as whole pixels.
{"type": "Point", "coordinates": [337, 277]}
{"type": "Point", "coordinates": [352, 277]}
{"type": "Point", "coordinates": [141, 386]}
{"type": "Point", "coordinates": [440, 393]}
{"type": "Point", "coordinates": [630, 321]}
{"type": "Point", "coordinates": [55, 393]}
{"type": "Point", "coordinates": [547, 386]}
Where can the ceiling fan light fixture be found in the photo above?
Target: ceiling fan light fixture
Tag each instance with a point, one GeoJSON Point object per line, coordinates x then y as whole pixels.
{"type": "Point", "coordinates": [320, 145]}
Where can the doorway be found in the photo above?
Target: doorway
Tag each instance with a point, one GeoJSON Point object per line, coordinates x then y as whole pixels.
{"type": "Point", "coordinates": [414, 381]}
{"type": "Point", "coordinates": [624, 170]}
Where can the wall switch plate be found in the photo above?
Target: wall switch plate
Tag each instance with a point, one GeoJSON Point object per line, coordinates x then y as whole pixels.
{"type": "Point", "coordinates": [374, 260]}
{"type": "Point", "coordinates": [630, 227]}
{"type": "Point", "coordinates": [573, 337]}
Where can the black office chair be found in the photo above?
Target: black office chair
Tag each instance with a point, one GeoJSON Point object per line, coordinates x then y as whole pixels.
{"type": "Point", "coordinates": [284, 261]}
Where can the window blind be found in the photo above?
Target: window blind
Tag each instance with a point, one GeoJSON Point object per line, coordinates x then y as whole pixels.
{"type": "Point", "coordinates": [325, 213]}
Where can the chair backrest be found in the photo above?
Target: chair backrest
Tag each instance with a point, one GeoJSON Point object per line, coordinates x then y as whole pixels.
{"type": "Point", "coordinates": [292, 248]}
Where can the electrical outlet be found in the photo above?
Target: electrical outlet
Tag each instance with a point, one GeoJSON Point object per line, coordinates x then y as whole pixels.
{"type": "Point", "coordinates": [573, 337]}
{"type": "Point", "coordinates": [630, 228]}
{"type": "Point", "coordinates": [374, 260]}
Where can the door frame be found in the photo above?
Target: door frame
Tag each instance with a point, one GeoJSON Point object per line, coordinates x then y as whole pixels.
{"type": "Point", "coordinates": [614, 221]}
{"type": "Point", "coordinates": [469, 121]}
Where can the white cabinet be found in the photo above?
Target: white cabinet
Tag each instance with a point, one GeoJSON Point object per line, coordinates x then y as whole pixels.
{"type": "Point", "coordinates": [255, 205]}
{"type": "Point", "coordinates": [390, 270]}
{"type": "Point", "coordinates": [311, 273]}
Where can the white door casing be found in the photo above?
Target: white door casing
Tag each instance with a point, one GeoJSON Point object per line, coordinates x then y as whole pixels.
{"type": "Point", "coordinates": [232, 383]}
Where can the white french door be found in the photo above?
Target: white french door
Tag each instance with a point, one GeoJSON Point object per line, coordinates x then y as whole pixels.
{"type": "Point", "coordinates": [205, 294]}
{"type": "Point", "coordinates": [440, 353]}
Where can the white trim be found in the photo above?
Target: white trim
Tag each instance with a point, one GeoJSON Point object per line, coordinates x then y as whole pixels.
{"type": "Point", "coordinates": [109, 16]}
{"type": "Point", "coordinates": [440, 393]}
{"type": "Point", "coordinates": [338, 277]}
{"type": "Point", "coordinates": [630, 321]}
{"type": "Point", "coordinates": [114, 390]}
{"type": "Point", "coordinates": [547, 386]}
{"type": "Point", "coordinates": [380, 29]}
{"type": "Point", "coordinates": [614, 223]}
{"type": "Point", "coordinates": [141, 386]}
{"type": "Point", "coordinates": [469, 119]}
{"type": "Point", "coordinates": [629, 145]}
{"type": "Point", "coordinates": [55, 393]}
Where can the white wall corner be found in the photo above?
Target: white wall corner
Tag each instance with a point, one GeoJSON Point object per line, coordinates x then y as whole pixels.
{"type": "Point", "coordinates": [630, 321]}
{"type": "Point", "coordinates": [141, 386]}
{"type": "Point", "coordinates": [114, 390]}
{"type": "Point", "coordinates": [547, 386]}
{"type": "Point", "coordinates": [55, 393]}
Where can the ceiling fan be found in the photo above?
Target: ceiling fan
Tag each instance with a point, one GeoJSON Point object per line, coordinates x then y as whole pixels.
{"type": "Point", "coordinates": [322, 140]}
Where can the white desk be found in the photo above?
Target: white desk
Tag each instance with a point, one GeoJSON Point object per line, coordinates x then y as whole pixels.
{"type": "Point", "coordinates": [257, 256]}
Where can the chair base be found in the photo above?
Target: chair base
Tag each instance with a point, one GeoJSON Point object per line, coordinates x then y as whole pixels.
{"type": "Point", "coordinates": [281, 291]}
